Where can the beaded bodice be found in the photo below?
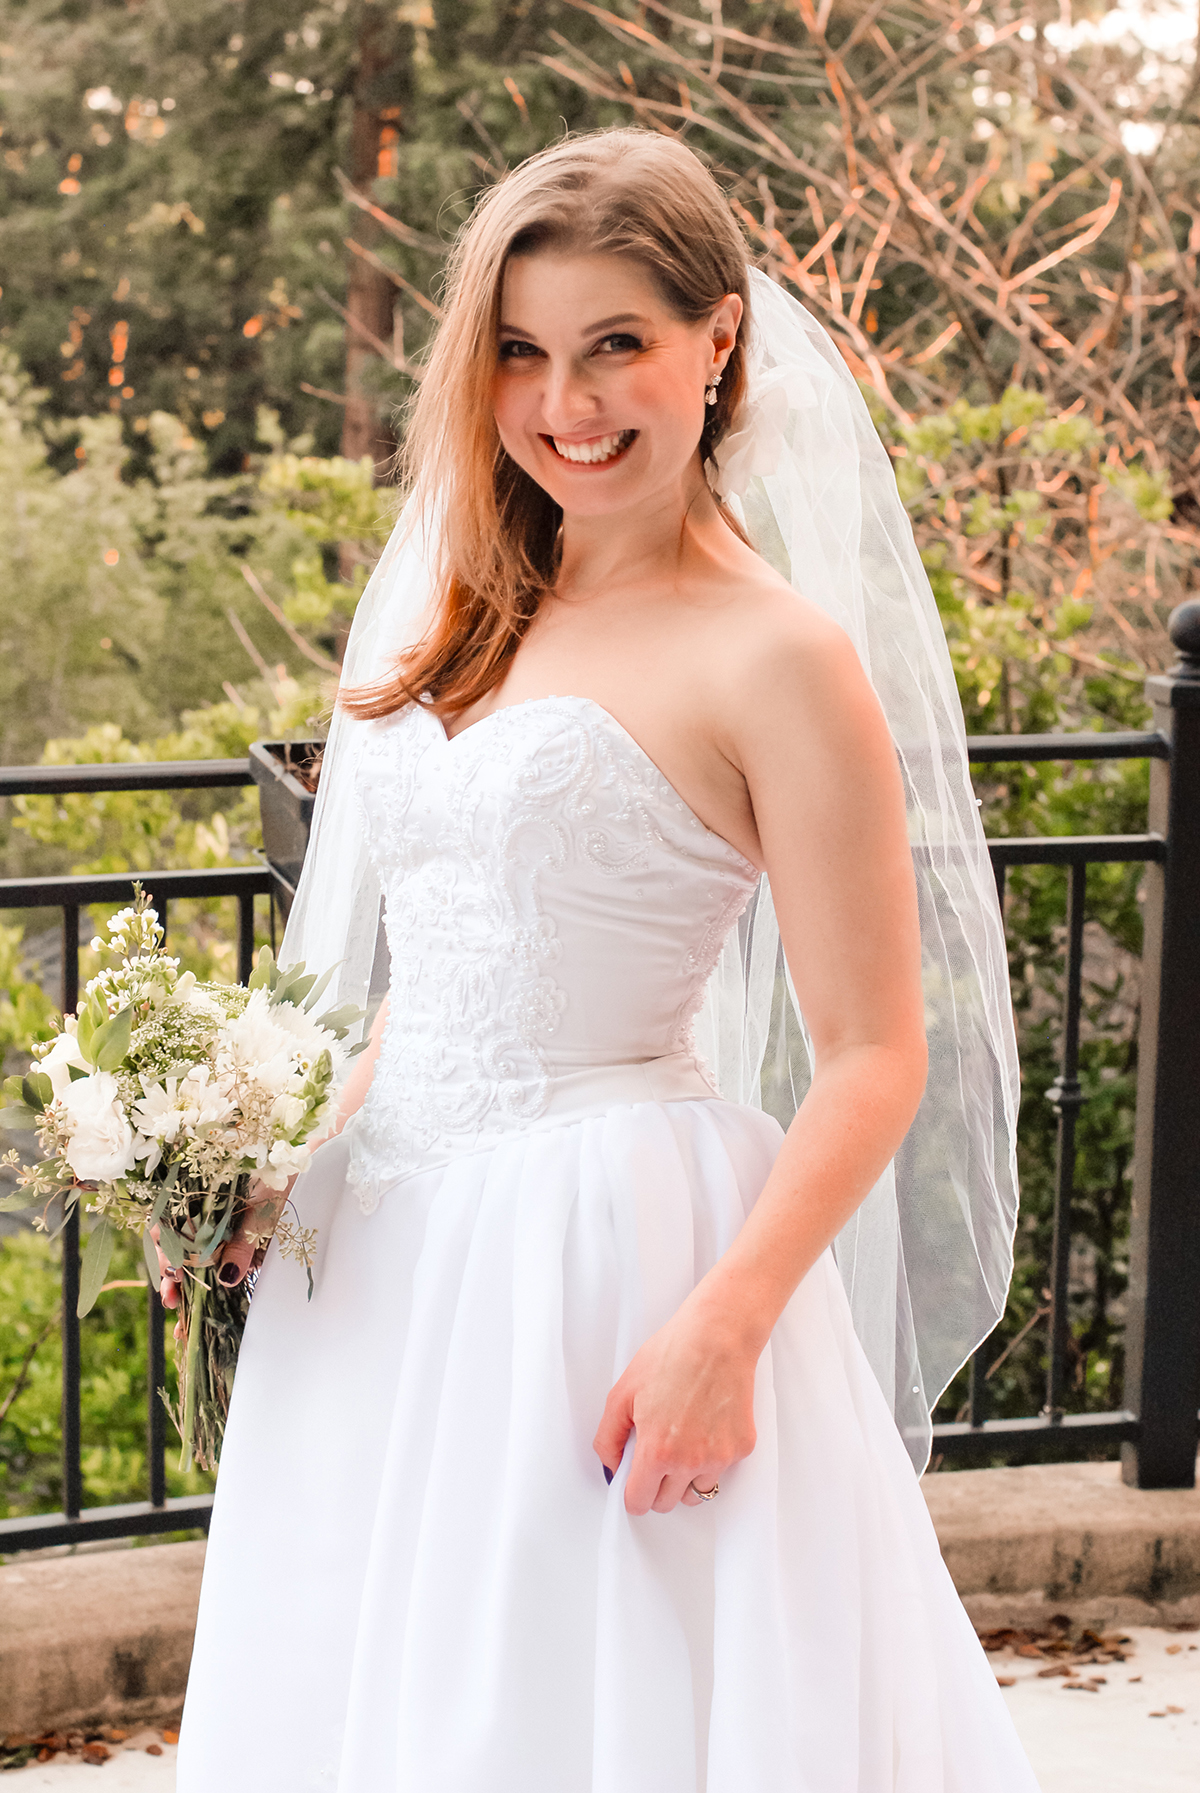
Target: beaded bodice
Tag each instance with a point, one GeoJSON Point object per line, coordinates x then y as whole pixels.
{"type": "Point", "coordinates": [553, 909]}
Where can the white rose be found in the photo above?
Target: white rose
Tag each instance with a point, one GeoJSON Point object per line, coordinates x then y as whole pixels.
{"type": "Point", "coordinates": [58, 1061]}
{"type": "Point", "coordinates": [288, 1112]}
{"type": "Point", "coordinates": [101, 1147]}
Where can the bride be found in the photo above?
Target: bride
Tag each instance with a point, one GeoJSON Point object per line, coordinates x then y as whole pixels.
{"type": "Point", "coordinates": [575, 1476]}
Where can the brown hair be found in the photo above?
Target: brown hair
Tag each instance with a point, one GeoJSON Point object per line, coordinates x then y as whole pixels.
{"type": "Point", "coordinates": [623, 192]}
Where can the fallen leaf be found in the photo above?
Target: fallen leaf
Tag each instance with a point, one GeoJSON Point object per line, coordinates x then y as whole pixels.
{"type": "Point", "coordinates": [1134, 1678]}
{"type": "Point", "coordinates": [1175, 1708]}
{"type": "Point", "coordinates": [1006, 1680]}
{"type": "Point", "coordinates": [170, 1736]}
{"type": "Point", "coordinates": [1158, 1715]}
{"type": "Point", "coordinates": [154, 1749]}
{"type": "Point", "coordinates": [96, 1753]}
{"type": "Point", "coordinates": [1174, 1649]}
{"type": "Point", "coordinates": [1081, 1687]}
{"type": "Point", "coordinates": [1056, 1668]}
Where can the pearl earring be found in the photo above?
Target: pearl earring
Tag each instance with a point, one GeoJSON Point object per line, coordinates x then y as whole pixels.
{"type": "Point", "coordinates": [710, 391]}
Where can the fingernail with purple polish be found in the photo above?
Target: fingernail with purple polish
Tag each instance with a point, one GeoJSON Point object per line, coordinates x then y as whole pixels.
{"type": "Point", "coordinates": [608, 1474]}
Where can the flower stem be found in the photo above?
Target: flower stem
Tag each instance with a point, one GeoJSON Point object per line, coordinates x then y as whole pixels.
{"type": "Point", "coordinates": [191, 1373]}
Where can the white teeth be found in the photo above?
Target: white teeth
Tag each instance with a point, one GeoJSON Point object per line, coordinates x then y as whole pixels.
{"type": "Point", "coordinates": [602, 449]}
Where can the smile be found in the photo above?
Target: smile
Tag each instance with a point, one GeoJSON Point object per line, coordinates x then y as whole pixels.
{"type": "Point", "coordinates": [596, 453]}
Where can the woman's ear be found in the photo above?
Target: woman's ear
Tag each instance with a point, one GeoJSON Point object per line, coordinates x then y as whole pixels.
{"type": "Point", "coordinates": [723, 329]}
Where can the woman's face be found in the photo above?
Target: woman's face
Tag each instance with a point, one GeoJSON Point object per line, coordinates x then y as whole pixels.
{"type": "Point", "coordinates": [599, 387]}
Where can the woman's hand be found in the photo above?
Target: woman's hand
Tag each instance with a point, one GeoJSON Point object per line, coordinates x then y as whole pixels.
{"type": "Point", "coordinates": [689, 1393]}
{"type": "Point", "coordinates": [241, 1253]}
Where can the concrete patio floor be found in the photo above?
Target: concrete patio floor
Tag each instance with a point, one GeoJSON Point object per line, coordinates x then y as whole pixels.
{"type": "Point", "coordinates": [1138, 1730]}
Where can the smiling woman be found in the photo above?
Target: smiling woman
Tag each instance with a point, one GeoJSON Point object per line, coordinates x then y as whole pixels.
{"type": "Point", "coordinates": [640, 1517]}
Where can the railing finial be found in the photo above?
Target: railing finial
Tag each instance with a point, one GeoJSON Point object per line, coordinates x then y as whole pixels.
{"type": "Point", "coordinates": [1183, 626]}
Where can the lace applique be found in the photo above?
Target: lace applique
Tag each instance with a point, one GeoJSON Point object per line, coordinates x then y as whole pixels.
{"type": "Point", "coordinates": [483, 844]}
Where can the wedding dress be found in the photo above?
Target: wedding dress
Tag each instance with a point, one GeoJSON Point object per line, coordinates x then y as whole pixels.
{"type": "Point", "coordinates": [418, 1580]}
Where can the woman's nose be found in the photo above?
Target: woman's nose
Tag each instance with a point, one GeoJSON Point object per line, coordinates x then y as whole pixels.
{"type": "Point", "coordinates": [569, 399]}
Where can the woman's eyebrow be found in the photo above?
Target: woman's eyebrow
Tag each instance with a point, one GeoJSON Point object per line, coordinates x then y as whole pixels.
{"type": "Point", "coordinates": [623, 317]}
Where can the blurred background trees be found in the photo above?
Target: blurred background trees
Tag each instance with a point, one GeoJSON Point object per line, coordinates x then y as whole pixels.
{"type": "Point", "coordinates": [222, 233]}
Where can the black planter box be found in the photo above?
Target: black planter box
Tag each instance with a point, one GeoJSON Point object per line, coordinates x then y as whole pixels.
{"type": "Point", "coordinates": [286, 806]}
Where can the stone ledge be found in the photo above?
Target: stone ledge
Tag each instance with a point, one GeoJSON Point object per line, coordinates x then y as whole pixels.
{"type": "Point", "coordinates": [107, 1635]}
{"type": "Point", "coordinates": [1068, 1537]}
{"type": "Point", "coordinates": [98, 1637]}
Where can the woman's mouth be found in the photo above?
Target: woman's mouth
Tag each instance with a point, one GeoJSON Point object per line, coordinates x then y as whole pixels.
{"type": "Point", "coordinates": [598, 451]}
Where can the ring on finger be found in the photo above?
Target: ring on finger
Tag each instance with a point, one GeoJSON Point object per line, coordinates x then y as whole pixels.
{"type": "Point", "coordinates": [705, 1493]}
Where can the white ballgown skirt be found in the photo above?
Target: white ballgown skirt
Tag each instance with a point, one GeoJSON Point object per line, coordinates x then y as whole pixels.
{"type": "Point", "coordinates": [418, 1580]}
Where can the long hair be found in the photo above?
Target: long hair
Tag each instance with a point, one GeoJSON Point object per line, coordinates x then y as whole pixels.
{"type": "Point", "coordinates": [623, 192]}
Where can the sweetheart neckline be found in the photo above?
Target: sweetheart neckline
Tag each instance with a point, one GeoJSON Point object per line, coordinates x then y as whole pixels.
{"type": "Point", "coordinates": [448, 740]}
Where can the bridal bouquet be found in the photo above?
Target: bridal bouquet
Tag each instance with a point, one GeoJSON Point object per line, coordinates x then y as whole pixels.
{"type": "Point", "coordinates": [157, 1106]}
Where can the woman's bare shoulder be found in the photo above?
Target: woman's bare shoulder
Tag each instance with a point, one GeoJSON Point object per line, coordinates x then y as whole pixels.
{"type": "Point", "coordinates": [770, 644]}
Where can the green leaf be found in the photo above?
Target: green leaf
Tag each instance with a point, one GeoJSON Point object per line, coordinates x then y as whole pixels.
{"type": "Point", "coordinates": [294, 989]}
{"type": "Point", "coordinates": [37, 1090]}
{"type": "Point", "coordinates": [340, 1019]}
{"type": "Point", "coordinates": [173, 1246]}
{"type": "Point", "coordinates": [75, 1072]}
{"type": "Point", "coordinates": [85, 1027]}
{"type": "Point", "coordinates": [20, 1119]}
{"type": "Point", "coordinates": [95, 1265]}
{"type": "Point", "coordinates": [311, 1001]}
{"type": "Point", "coordinates": [20, 1198]}
{"type": "Point", "coordinates": [151, 1257]}
{"type": "Point", "coordinates": [110, 1044]}
{"type": "Point", "coordinates": [13, 1090]}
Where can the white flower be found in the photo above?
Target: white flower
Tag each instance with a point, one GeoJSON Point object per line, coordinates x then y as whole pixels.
{"type": "Point", "coordinates": [158, 1116]}
{"type": "Point", "coordinates": [753, 447]}
{"type": "Point", "coordinates": [57, 1063]}
{"type": "Point", "coordinates": [282, 1164]}
{"type": "Point", "coordinates": [204, 1101]}
{"type": "Point", "coordinates": [287, 1112]}
{"type": "Point", "coordinates": [101, 1147]}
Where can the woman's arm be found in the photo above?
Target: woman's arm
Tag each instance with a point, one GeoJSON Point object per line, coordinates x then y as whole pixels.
{"type": "Point", "coordinates": [238, 1255]}
{"type": "Point", "coordinates": [811, 742]}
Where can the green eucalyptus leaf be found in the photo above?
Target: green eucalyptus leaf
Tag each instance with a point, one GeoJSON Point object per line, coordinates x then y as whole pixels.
{"type": "Point", "coordinates": [75, 1072]}
{"type": "Point", "coordinates": [20, 1198]}
{"type": "Point", "coordinates": [172, 1245]}
{"type": "Point", "coordinates": [18, 1118]}
{"type": "Point", "coordinates": [37, 1090]}
{"type": "Point", "coordinates": [151, 1257]}
{"type": "Point", "coordinates": [339, 1019]}
{"type": "Point", "coordinates": [314, 996]}
{"type": "Point", "coordinates": [85, 1027]}
{"type": "Point", "coordinates": [110, 1043]}
{"type": "Point", "coordinates": [296, 989]}
{"type": "Point", "coordinates": [95, 1265]}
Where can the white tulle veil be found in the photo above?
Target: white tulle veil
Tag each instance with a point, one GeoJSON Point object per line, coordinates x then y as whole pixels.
{"type": "Point", "coordinates": [927, 1258]}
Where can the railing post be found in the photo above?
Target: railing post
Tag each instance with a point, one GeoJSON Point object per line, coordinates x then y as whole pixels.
{"type": "Point", "coordinates": [1163, 1328]}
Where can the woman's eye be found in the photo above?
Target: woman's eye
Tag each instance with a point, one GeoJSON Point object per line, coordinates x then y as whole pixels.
{"type": "Point", "coordinates": [517, 351]}
{"type": "Point", "coordinates": [620, 344]}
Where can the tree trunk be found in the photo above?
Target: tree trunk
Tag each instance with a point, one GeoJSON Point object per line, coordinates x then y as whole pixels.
{"type": "Point", "coordinates": [369, 296]}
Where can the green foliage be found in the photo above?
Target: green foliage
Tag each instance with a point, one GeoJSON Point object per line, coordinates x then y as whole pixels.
{"type": "Point", "coordinates": [25, 1009]}
{"type": "Point", "coordinates": [128, 567]}
{"type": "Point", "coordinates": [337, 505]}
{"type": "Point", "coordinates": [113, 1351]}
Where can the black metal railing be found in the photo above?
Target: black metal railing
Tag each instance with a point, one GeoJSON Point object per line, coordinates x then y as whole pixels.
{"type": "Point", "coordinates": [1158, 1428]}
{"type": "Point", "coordinates": [71, 896]}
